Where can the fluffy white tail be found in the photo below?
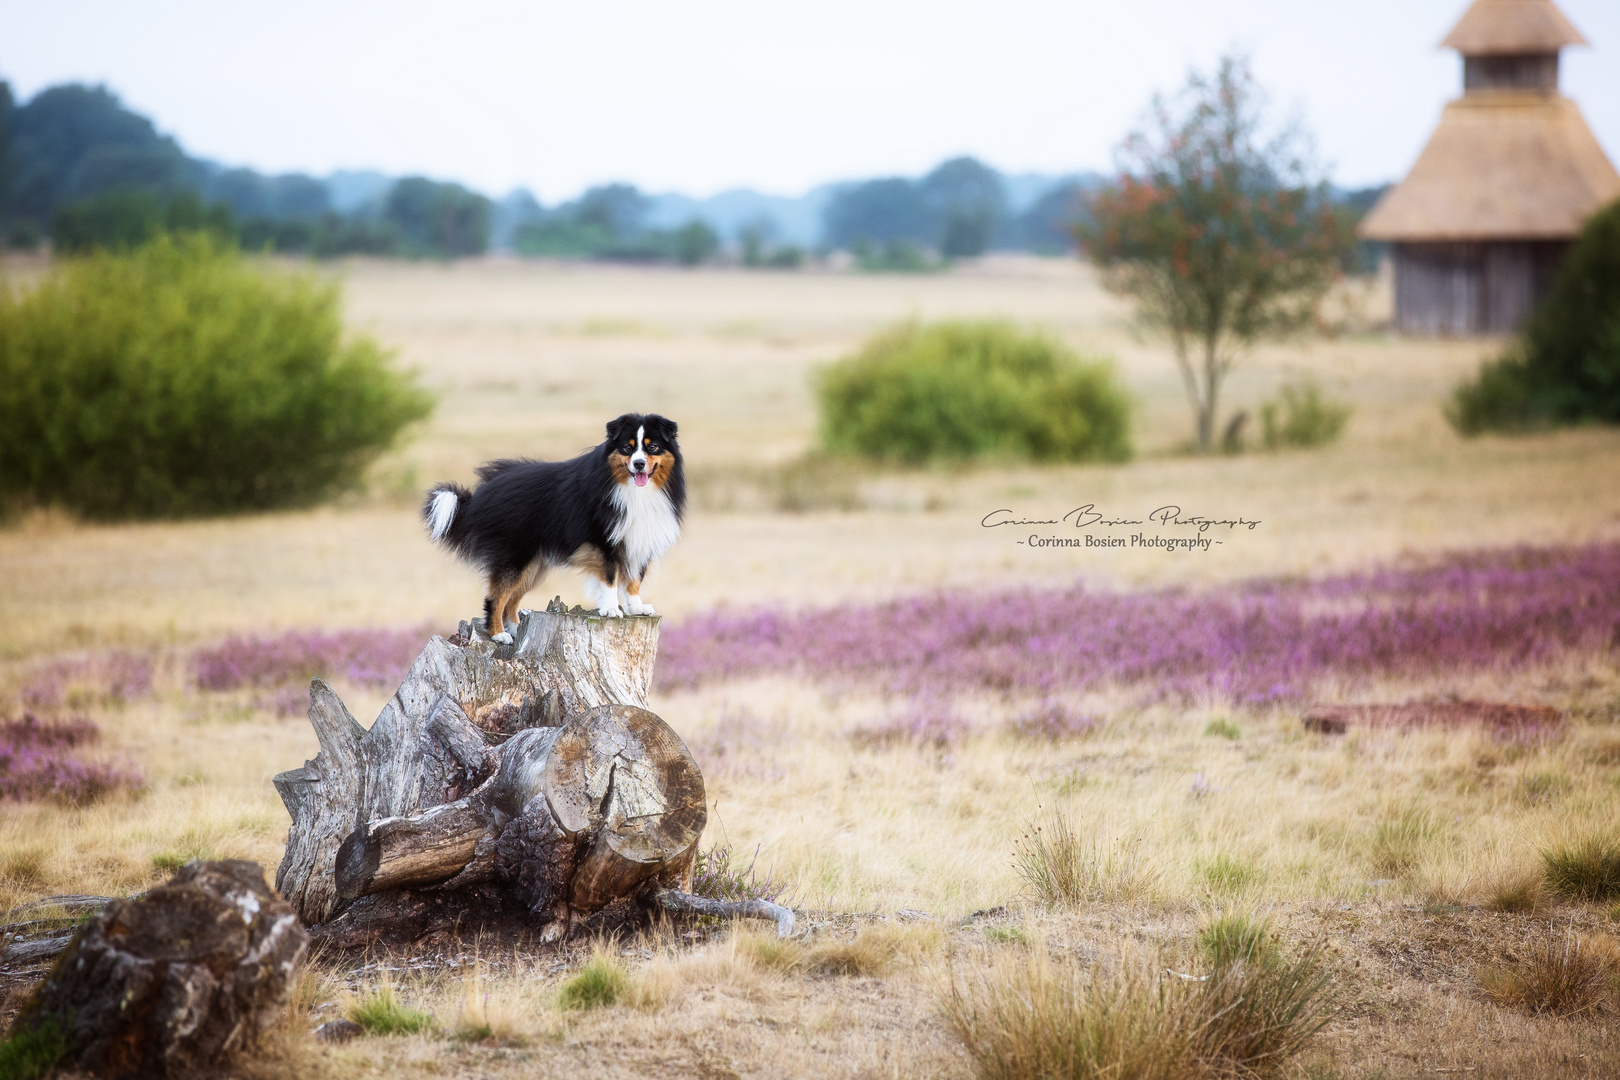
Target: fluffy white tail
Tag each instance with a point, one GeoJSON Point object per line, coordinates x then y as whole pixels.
{"type": "Point", "coordinates": [442, 514]}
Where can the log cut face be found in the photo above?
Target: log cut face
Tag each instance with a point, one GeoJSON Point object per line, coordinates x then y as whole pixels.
{"type": "Point", "coordinates": [533, 769]}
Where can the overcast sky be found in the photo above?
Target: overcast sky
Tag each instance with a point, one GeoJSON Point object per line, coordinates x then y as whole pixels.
{"type": "Point", "coordinates": [709, 95]}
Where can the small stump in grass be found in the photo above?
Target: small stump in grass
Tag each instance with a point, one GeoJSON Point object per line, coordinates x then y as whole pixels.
{"type": "Point", "coordinates": [172, 983]}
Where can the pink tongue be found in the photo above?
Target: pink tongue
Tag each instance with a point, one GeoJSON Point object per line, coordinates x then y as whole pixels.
{"type": "Point", "coordinates": [641, 479]}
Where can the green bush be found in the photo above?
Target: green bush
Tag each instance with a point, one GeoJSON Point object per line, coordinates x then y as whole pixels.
{"type": "Point", "coordinates": [178, 380]}
{"type": "Point", "coordinates": [960, 390]}
{"type": "Point", "coordinates": [1301, 416]}
{"type": "Point", "coordinates": [1565, 366]}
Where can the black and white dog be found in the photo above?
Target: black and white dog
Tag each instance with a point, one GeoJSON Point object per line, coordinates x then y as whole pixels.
{"type": "Point", "coordinates": [609, 512]}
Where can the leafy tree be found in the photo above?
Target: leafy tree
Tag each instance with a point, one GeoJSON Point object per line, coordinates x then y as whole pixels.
{"type": "Point", "coordinates": [1221, 238]}
{"type": "Point", "coordinates": [251, 194]}
{"type": "Point", "coordinates": [695, 242]}
{"type": "Point", "coordinates": [127, 219]}
{"type": "Point", "coordinates": [7, 107]}
{"type": "Point", "coordinates": [616, 209]}
{"type": "Point", "coordinates": [876, 212]}
{"type": "Point", "coordinates": [1047, 227]}
{"type": "Point", "coordinates": [965, 201]}
{"type": "Point", "coordinates": [1565, 366]}
{"type": "Point", "coordinates": [443, 220]}
{"type": "Point", "coordinates": [74, 141]}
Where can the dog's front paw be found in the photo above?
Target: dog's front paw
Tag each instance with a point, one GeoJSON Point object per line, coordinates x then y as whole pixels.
{"type": "Point", "coordinates": [636, 607]}
{"type": "Point", "coordinates": [610, 611]}
{"type": "Point", "coordinates": [502, 638]}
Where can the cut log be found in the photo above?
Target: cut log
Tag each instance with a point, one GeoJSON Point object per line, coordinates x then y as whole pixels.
{"type": "Point", "coordinates": [573, 818]}
{"type": "Point", "coordinates": [532, 769]}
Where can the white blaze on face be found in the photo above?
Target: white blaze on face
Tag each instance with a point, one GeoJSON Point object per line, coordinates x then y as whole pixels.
{"type": "Point", "coordinates": [638, 460]}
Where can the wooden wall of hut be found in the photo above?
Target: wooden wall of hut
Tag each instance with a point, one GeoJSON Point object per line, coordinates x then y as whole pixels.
{"type": "Point", "coordinates": [1446, 290]}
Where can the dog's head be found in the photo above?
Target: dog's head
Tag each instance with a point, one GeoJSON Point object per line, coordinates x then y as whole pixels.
{"type": "Point", "coordinates": [642, 449]}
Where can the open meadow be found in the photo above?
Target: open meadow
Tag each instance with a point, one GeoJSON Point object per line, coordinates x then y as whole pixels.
{"type": "Point", "coordinates": [939, 702]}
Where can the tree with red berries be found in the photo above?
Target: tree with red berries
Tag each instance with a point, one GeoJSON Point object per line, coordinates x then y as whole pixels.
{"type": "Point", "coordinates": [1222, 235]}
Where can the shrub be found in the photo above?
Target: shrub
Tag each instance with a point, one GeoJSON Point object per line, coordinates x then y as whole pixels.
{"type": "Point", "coordinates": [176, 380]}
{"type": "Point", "coordinates": [1301, 416]}
{"type": "Point", "coordinates": [714, 876]}
{"type": "Point", "coordinates": [1586, 869]}
{"type": "Point", "coordinates": [603, 981]}
{"type": "Point", "coordinates": [1565, 366]}
{"type": "Point", "coordinates": [963, 390]}
{"type": "Point", "coordinates": [36, 763]}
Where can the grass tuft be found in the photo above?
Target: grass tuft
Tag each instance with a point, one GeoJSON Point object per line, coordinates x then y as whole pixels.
{"type": "Point", "coordinates": [1520, 892]}
{"type": "Point", "coordinates": [875, 950]}
{"type": "Point", "coordinates": [601, 983]}
{"type": "Point", "coordinates": [1565, 978]}
{"type": "Point", "coordinates": [1587, 869]}
{"type": "Point", "coordinates": [1226, 874]}
{"type": "Point", "coordinates": [1238, 938]}
{"type": "Point", "coordinates": [1064, 870]}
{"type": "Point", "coordinates": [33, 1052]}
{"type": "Point", "coordinates": [381, 1012]}
{"type": "Point", "coordinates": [1222, 728]}
{"type": "Point", "coordinates": [1022, 1018]}
{"type": "Point", "coordinates": [1402, 840]}
{"type": "Point", "coordinates": [487, 1016]}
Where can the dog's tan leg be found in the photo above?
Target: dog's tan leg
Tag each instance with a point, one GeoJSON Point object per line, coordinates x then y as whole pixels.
{"type": "Point", "coordinates": [633, 604]}
{"type": "Point", "coordinates": [531, 577]}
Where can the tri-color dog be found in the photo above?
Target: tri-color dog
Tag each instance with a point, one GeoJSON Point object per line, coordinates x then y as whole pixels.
{"type": "Point", "coordinates": [610, 513]}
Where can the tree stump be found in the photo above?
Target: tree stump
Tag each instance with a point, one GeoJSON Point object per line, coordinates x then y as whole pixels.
{"type": "Point", "coordinates": [176, 981]}
{"type": "Point", "coordinates": [528, 775]}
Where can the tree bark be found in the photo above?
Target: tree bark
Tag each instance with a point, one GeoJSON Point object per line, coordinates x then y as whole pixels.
{"type": "Point", "coordinates": [533, 768]}
{"type": "Point", "coordinates": [175, 982]}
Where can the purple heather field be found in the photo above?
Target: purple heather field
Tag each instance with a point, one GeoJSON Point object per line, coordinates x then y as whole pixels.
{"type": "Point", "coordinates": [1253, 643]}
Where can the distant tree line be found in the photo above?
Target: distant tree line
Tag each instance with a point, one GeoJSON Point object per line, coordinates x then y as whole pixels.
{"type": "Point", "coordinates": [79, 168]}
{"type": "Point", "coordinates": [607, 222]}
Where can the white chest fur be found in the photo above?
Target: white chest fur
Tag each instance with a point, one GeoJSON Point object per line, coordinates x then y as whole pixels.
{"type": "Point", "coordinates": [647, 524]}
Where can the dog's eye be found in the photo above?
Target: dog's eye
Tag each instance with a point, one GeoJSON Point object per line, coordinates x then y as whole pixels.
{"type": "Point", "coordinates": [650, 446]}
{"type": "Point", "coordinates": [627, 448]}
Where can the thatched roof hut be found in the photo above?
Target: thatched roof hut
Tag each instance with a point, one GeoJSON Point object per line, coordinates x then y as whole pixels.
{"type": "Point", "coordinates": [1503, 185]}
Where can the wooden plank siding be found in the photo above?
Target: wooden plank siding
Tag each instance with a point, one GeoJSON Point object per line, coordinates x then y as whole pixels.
{"type": "Point", "coordinates": [1455, 290]}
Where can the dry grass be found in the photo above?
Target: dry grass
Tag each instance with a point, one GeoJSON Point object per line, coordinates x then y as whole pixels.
{"type": "Point", "coordinates": [1417, 853]}
{"type": "Point", "coordinates": [1029, 1017]}
{"type": "Point", "coordinates": [1562, 975]}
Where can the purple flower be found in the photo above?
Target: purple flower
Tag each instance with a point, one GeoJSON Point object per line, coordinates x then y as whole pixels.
{"type": "Point", "coordinates": [1255, 643]}
{"type": "Point", "coordinates": [372, 657]}
{"type": "Point", "coordinates": [35, 762]}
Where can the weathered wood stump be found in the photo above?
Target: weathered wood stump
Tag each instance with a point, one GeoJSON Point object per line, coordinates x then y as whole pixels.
{"type": "Point", "coordinates": [175, 982]}
{"type": "Point", "coordinates": [527, 775]}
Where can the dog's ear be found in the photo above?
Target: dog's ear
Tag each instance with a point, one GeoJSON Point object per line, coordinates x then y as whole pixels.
{"type": "Point", "coordinates": [666, 427]}
{"type": "Point", "coordinates": [616, 426]}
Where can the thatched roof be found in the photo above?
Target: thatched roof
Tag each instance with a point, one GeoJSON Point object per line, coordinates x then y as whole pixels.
{"type": "Point", "coordinates": [1495, 27]}
{"type": "Point", "coordinates": [1503, 165]}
